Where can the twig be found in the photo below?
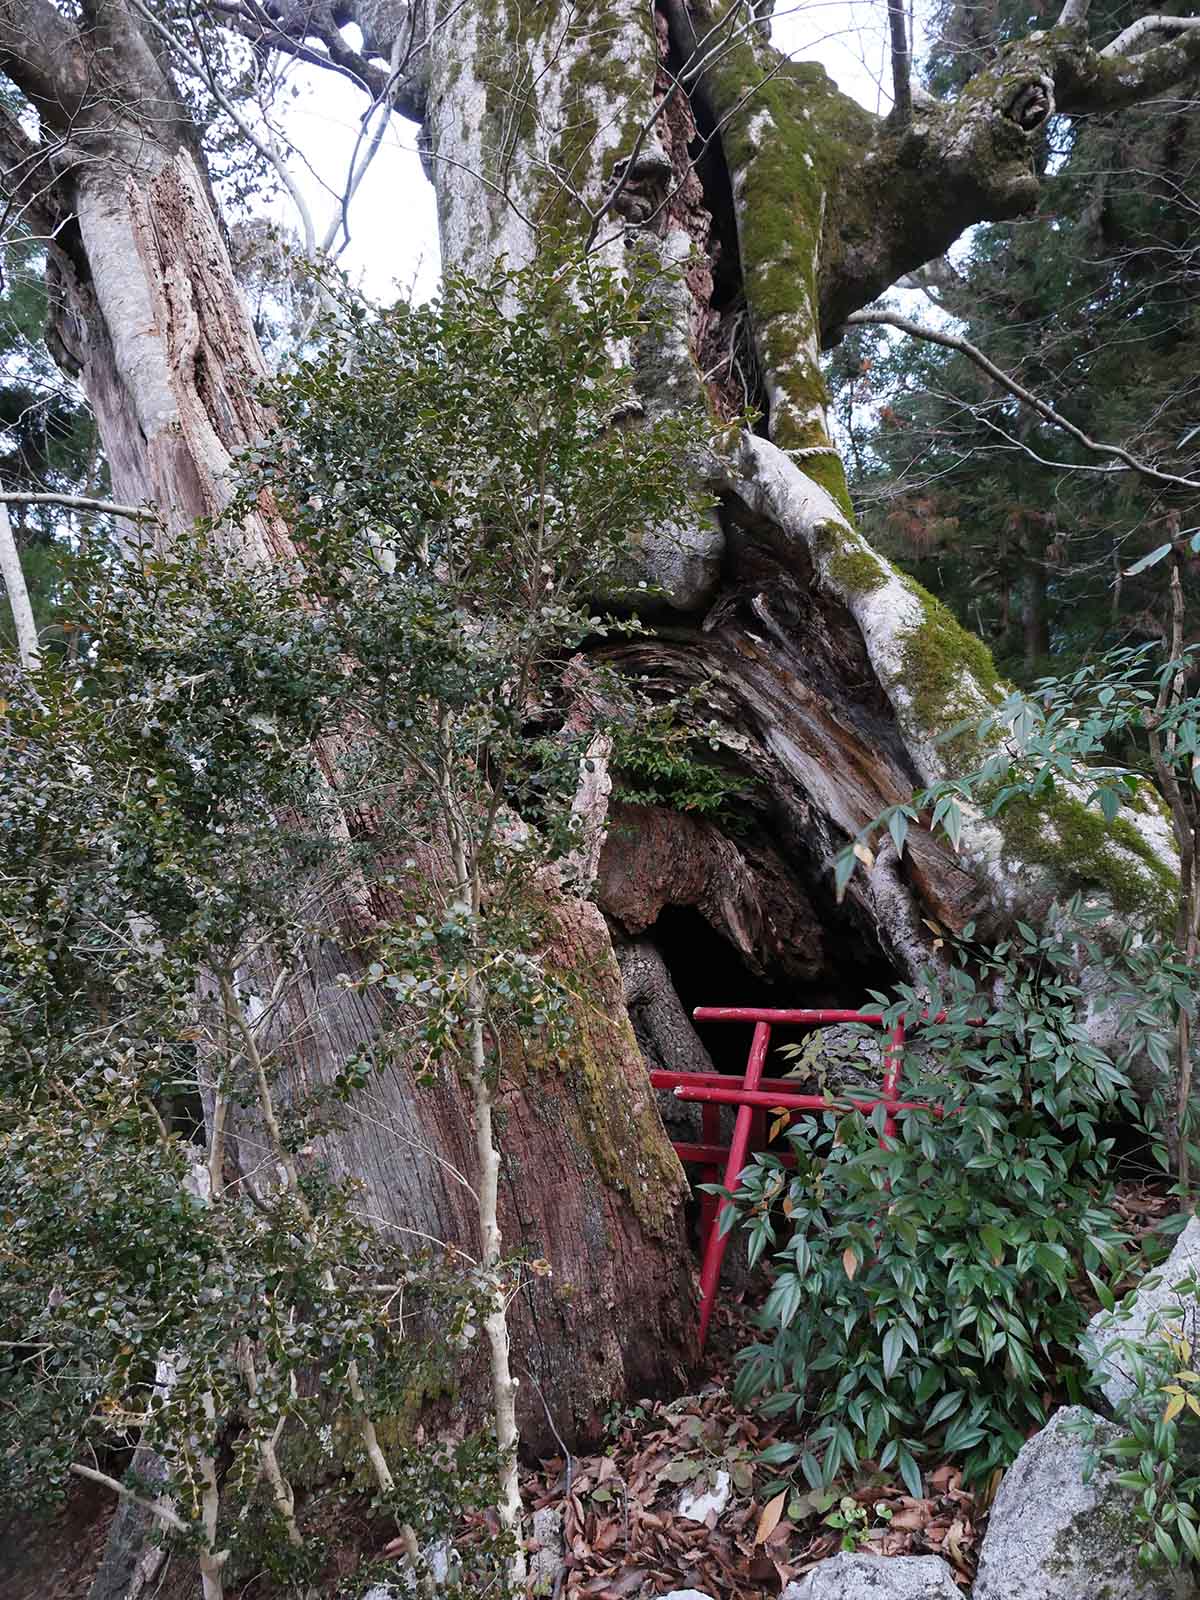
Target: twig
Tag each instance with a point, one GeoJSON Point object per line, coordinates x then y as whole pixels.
{"type": "Point", "coordinates": [950, 341]}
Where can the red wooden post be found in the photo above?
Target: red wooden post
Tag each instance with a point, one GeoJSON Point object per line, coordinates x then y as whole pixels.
{"type": "Point", "coordinates": [714, 1250]}
{"type": "Point", "coordinates": [710, 1133]}
{"type": "Point", "coordinates": [893, 1067]}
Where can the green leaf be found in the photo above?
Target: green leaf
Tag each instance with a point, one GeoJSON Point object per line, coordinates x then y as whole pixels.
{"type": "Point", "coordinates": [945, 1407]}
{"type": "Point", "coordinates": [893, 1349]}
{"type": "Point", "coordinates": [898, 828]}
{"type": "Point", "coordinates": [910, 1473]}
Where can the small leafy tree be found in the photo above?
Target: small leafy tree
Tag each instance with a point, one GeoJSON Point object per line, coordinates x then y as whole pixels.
{"type": "Point", "coordinates": [462, 481]}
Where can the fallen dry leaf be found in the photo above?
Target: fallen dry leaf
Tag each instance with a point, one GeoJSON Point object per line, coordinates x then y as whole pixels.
{"type": "Point", "coordinates": [769, 1520]}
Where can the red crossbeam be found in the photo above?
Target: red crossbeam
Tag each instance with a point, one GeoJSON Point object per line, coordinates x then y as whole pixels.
{"type": "Point", "coordinates": [792, 1102]}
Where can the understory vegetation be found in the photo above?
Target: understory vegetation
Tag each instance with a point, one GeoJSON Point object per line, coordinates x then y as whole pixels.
{"type": "Point", "coordinates": [198, 1310]}
{"type": "Point", "coordinates": [931, 1290]}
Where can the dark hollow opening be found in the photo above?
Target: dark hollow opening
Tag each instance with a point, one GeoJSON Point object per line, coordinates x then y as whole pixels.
{"type": "Point", "coordinates": [707, 971]}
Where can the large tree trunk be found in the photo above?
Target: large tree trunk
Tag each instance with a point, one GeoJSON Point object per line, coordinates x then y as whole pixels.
{"type": "Point", "coordinates": [830, 676]}
{"type": "Point", "coordinates": [149, 315]}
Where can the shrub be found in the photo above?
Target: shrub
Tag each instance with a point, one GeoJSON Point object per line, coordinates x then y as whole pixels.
{"type": "Point", "coordinates": [925, 1297]}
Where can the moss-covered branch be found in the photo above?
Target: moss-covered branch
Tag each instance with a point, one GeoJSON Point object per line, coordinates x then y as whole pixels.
{"type": "Point", "coordinates": [835, 205]}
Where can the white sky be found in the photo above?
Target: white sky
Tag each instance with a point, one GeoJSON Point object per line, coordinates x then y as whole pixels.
{"type": "Point", "coordinates": [392, 219]}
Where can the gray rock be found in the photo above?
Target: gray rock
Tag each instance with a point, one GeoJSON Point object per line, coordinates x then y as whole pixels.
{"type": "Point", "coordinates": [864, 1577]}
{"type": "Point", "coordinates": [546, 1562]}
{"type": "Point", "coordinates": [441, 1569]}
{"type": "Point", "coordinates": [852, 1059]}
{"type": "Point", "coordinates": [696, 1506]}
{"type": "Point", "coordinates": [1053, 1537]}
{"type": "Point", "coordinates": [1155, 1304]}
{"type": "Point", "coordinates": [686, 1594]}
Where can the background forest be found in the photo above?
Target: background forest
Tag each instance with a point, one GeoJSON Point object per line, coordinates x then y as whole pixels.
{"type": "Point", "coordinates": [1091, 303]}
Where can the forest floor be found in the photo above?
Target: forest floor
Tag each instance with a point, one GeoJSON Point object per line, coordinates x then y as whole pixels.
{"type": "Point", "coordinates": [625, 1537]}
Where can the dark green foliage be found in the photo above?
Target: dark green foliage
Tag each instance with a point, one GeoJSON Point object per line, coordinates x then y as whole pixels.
{"type": "Point", "coordinates": [924, 1297]}
{"type": "Point", "coordinates": [659, 761]}
{"type": "Point", "coordinates": [461, 483]}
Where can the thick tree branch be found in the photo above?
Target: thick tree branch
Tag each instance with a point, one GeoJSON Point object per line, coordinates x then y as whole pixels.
{"type": "Point", "coordinates": [41, 53]}
{"type": "Point", "coordinates": [904, 193]}
{"type": "Point", "coordinates": [950, 341]}
{"type": "Point", "coordinates": [290, 30]}
{"type": "Point", "coordinates": [27, 180]}
{"type": "Point", "coordinates": [1088, 80]}
{"type": "Point", "coordinates": [1123, 44]}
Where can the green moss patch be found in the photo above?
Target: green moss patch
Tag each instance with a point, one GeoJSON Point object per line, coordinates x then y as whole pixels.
{"type": "Point", "coordinates": [1086, 852]}
{"type": "Point", "coordinates": [506, 65]}
{"type": "Point", "coordinates": [848, 561]}
{"type": "Point", "coordinates": [946, 671]}
{"type": "Point", "coordinates": [785, 168]}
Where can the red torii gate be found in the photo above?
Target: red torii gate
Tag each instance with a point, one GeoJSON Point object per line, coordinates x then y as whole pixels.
{"type": "Point", "coordinates": [754, 1096]}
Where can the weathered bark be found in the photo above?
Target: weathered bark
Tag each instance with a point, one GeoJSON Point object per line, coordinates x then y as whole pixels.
{"type": "Point", "coordinates": [147, 313]}
{"type": "Point", "coordinates": [830, 676]}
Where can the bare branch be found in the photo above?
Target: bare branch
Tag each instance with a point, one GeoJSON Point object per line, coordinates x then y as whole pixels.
{"type": "Point", "coordinates": [164, 1512]}
{"type": "Point", "coordinates": [11, 571]}
{"type": "Point", "coordinates": [267, 150]}
{"type": "Point", "coordinates": [27, 179]}
{"type": "Point", "coordinates": [950, 341]}
{"type": "Point", "coordinates": [1123, 44]}
{"type": "Point", "coordinates": [79, 502]}
{"type": "Point", "coordinates": [267, 32]}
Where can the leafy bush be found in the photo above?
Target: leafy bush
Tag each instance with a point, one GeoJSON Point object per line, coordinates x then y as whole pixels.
{"type": "Point", "coordinates": [925, 1295]}
{"type": "Point", "coordinates": [250, 762]}
{"type": "Point", "coordinates": [925, 1292]}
